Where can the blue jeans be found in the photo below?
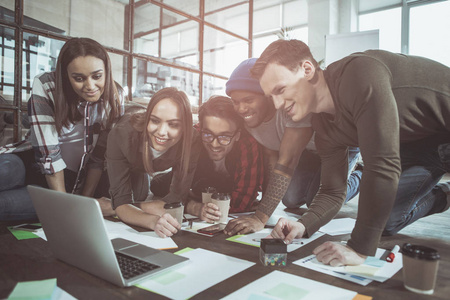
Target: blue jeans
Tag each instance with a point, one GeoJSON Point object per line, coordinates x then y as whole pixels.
{"type": "Point", "coordinates": [16, 173]}
{"type": "Point", "coordinates": [15, 202]}
{"type": "Point", "coordinates": [306, 179]}
{"type": "Point", "coordinates": [423, 165]}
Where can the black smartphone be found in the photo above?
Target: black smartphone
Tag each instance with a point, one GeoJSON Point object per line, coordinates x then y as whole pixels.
{"type": "Point", "coordinates": [28, 227]}
{"type": "Point", "coordinates": [213, 229]}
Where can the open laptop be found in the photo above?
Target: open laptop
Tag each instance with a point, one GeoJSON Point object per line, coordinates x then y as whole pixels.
{"type": "Point", "coordinates": [77, 235]}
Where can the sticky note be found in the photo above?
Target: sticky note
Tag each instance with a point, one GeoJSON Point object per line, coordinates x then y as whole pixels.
{"type": "Point", "coordinates": [168, 277]}
{"type": "Point", "coordinates": [374, 262]}
{"type": "Point", "coordinates": [22, 234]}
{"type": "Point", "coordinates": [287, 292]}
{"type": "Point", "coordinates": [34, 290]}
{"type": "Point", "coordinates": [362, 270]}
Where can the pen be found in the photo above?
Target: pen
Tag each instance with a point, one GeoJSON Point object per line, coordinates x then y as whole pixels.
{"type": "Point", "coordinates": [391, 256]}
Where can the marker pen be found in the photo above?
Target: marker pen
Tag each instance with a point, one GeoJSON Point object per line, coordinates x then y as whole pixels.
{"type": "Point", "coordinates": [391, 256]}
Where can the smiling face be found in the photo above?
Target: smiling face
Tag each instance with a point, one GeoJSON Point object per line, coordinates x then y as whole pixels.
{"type": "Point", "coordinates": [164, 128]}
{"type": "Point", "coordinates": [290, 90]}
{"type": "Point", "coordinates": [87, 77]}
{"type": "Point", "coordinates": [219, 127]}
{"type": "Point", "coordinates": [254, 108]}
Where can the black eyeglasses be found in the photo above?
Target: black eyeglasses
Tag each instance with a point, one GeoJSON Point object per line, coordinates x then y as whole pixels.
{"type": "Point", "coordinates": [223, 140]}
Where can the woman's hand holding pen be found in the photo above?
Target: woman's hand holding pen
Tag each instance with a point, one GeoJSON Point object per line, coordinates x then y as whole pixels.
{"type": "Point", "coordinates": [288, 230]}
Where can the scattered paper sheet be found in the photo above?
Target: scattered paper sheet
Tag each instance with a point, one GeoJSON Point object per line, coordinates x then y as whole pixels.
{"type": "Point", "coordinates": [204, 269]}
{"type": "Point", "coordinates": [281, 285]}
{"type": "Point", "coordinates": [122, 230]}
{"type": "Point", "coordinates": [362, 274]}
{"type": "Point", "coordinates": [254, 239]}
{"type": "Point", "coordinates": [277, 214]}
{"type": "Point", "coordinates": [24, 234]}
{"type": "Point", "coordinates": [338, 226]}
{"type": "Point", "coordinates": [196, 226]}
{"type": "Point", "coordinates": [39, 289]}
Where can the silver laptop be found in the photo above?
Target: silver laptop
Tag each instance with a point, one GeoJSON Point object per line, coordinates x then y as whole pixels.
{"type": "Point", "coordinates": [77, 235]}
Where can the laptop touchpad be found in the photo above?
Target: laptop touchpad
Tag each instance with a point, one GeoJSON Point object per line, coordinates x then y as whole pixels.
{"type": "Point", "coordinates": [140, 251]}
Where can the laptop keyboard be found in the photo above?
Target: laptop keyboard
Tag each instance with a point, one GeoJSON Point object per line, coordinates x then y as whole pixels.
{"type": "Point", "coordinates": [132, 267]}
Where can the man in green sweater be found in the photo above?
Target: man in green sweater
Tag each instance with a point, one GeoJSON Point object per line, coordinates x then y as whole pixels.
{"type": "Point", "coordinates": [396, 108]}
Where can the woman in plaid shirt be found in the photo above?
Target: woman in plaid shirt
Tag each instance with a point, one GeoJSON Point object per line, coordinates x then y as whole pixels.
{"type": "Point", "coordinates": [71, 111]}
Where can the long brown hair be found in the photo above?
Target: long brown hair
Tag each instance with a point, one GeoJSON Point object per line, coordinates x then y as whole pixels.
{"type": "Point", "coordinates": [66, 100]}
{"type": "Point", "coordinates": [140, 121]}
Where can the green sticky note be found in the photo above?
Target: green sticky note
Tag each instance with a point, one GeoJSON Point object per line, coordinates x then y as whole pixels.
{"type": "Point", "coordinates": [235, 238]}
{"type": "Point", "coordinates": [168, 277]}
{"type": "Point", "coordinates": [259, 297]}
{"type": "Point", "coordinates": [187, 249]}
{"type": "Point", "coordinates": [34, 290]}
{"type": "Point", "coordinates": [287, 292]}
{"type": "Point", "coordinates": [22, 234]}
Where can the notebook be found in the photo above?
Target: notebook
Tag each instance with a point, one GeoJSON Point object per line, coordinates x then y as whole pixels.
{"type": "Point", "coordinates": [77, 235]}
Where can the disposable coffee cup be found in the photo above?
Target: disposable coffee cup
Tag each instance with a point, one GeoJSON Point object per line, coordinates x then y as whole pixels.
{"type": "Point", "coordinates": [176, 210]}
{"type": "Point", "coordinates": [207, 193]}
{"type": "Point", "coordinates": [222, 200]}
{"type": "Point", "coordinates": [420, 267]}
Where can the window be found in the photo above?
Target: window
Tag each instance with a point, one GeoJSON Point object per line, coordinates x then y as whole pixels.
{"type": "Point", "coordinates": [152, 45]}
{"type": "Point", "coordinates": [388, 22]}
{"type": "Point", "coordinates": [428, 31]}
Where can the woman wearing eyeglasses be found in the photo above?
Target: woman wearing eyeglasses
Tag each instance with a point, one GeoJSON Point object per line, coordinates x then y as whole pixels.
{"type": "Point", "coordinates": [71, 111]}
{"type": "Point", "coordinates": [230, 160]}
{"type": "Point", "coordinates": [147, 142]}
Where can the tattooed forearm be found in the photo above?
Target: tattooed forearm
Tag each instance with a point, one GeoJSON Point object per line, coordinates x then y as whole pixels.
{"type": "Point", "coordinates": [276, 189]}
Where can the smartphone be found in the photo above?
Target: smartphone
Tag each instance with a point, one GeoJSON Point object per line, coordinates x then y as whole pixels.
{"type": "Point", "coordinates": [213, 229]}
{"type": "Point", "coordinates": [28, 227]}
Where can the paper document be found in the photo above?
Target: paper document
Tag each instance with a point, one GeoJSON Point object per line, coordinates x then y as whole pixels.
{"type": "Point", "coordinates": [372, 269]}
{"type": "Point", "coordinates": [338, 226]}
{"type": "Point", "coordinates": [204, 269]}
{"type": "Point", "coordinates": [122, 230]}
{"type": "Point", "coordinates": [281, 285]}
{"type": "Point", "coordinates": [254, 239]}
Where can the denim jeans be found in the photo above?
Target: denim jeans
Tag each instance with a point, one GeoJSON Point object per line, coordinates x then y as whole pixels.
{"type": "Point", "coordinates": [306, 179]}
{"type": "Point", "coordinates": [423, 165]}
{"type": "Point", "coordinates": [16, 173]}
{"type": "Point", "coordinates": [15, 202]}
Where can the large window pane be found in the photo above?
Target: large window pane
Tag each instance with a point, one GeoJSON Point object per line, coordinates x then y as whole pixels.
{"type": "Point", "coordinates": [266, 19]}
{"type": "Point", "coordinates": [213, 86]}
{"type": "Point", "coordinates": [149, 77]}
{"type": "Point", "coordinates": [389, 24]}
{"type": "Point", "coordinates": [179, 41]}
{"type": "Point", "coordinates": [191, 7]}
{"type": "Point", "coordinates": [428, 33]}
{"type": "Point", "coordinates": [7, 10]}
{"type": "Point", "coordinates": [234, 19]}
{"type": "Point", "coordinates": [146, 30]}
{"type": "Point", "coordinates": [39, 55]}
{"type": "Point", "coordinates": [119, 70]}
{"type": "Point", "coordinates": [7, 66]}
{"type": "Point", "coordinates": [259, 44]}
{"type": "Point", "coordinates": [295, 13]}
{"type": "Point", "coordinates": [222, 52]}
{"type": "Point", "coordinates": [101, 20]}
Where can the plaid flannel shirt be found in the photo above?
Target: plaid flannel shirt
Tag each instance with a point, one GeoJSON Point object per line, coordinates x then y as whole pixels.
{"type": "Point", "coordinates": [246, 168]}
{"type": "Point", "coordinates": [44, 138]}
